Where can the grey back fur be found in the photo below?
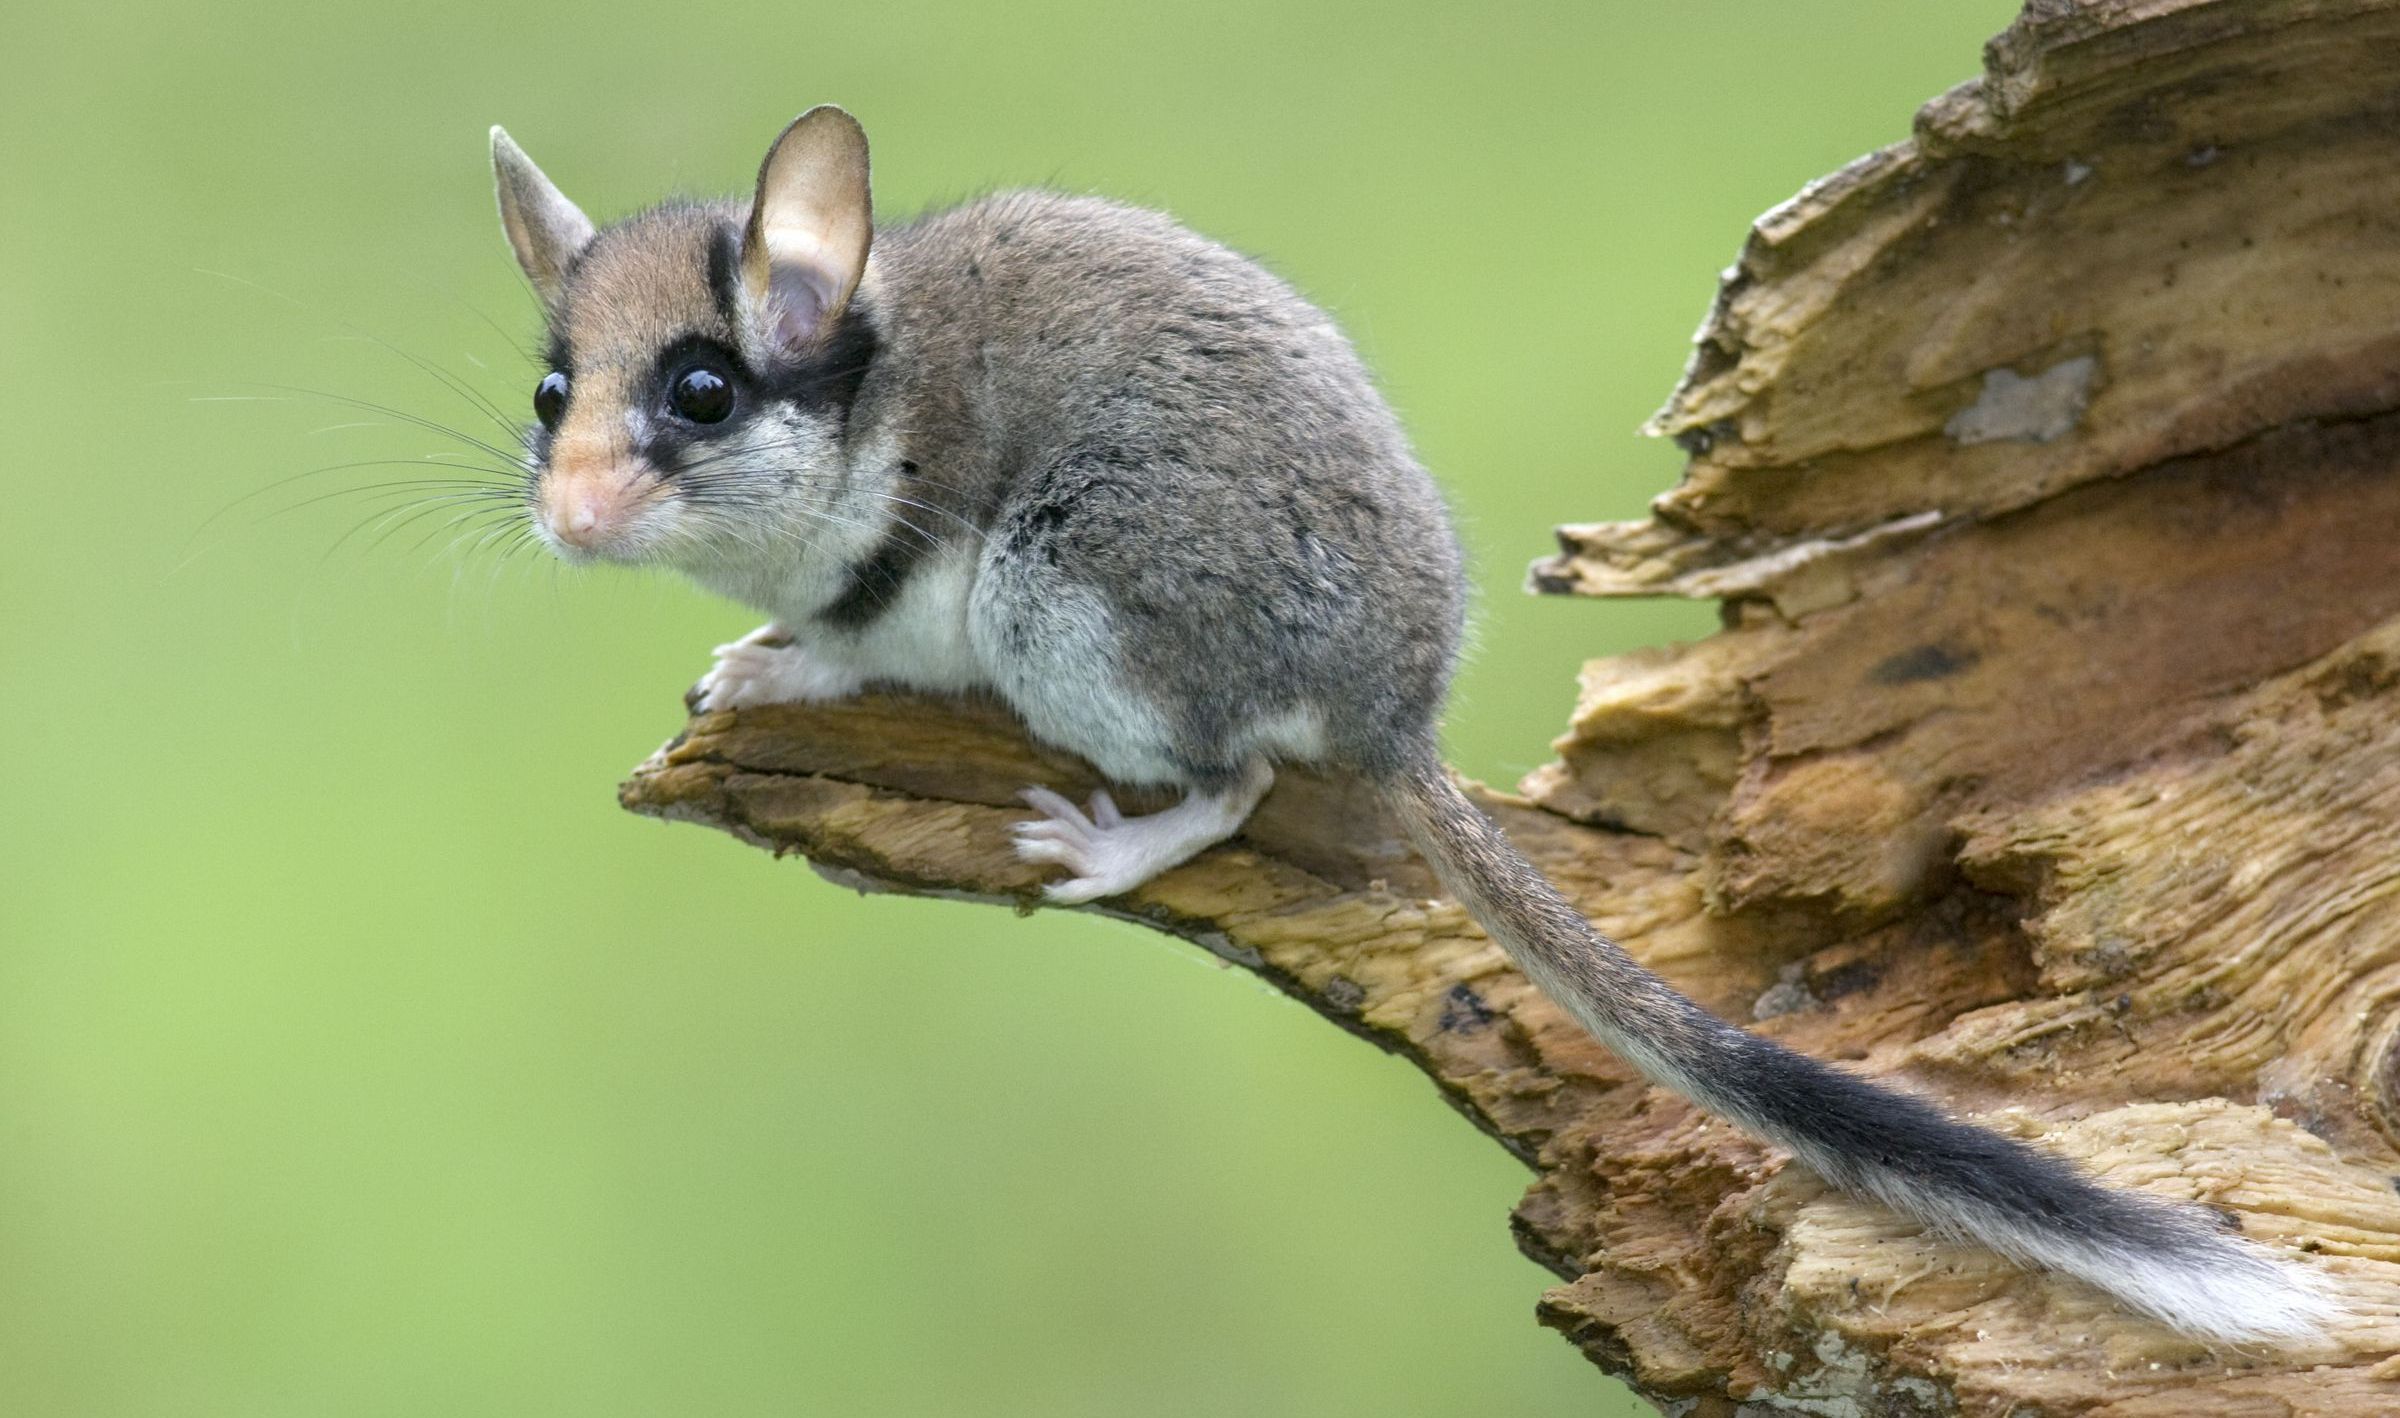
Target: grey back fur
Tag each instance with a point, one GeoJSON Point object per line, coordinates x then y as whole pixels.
{"type": "Point", "coordinates": [1177, 433]}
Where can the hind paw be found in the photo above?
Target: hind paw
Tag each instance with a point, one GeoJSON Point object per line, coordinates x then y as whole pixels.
{"type": "Point", "coordinates": [1110, 854]}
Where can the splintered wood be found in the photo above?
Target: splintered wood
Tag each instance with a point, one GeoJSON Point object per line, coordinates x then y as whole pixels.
{"type": "Point", "coordinates": [2049, 465]}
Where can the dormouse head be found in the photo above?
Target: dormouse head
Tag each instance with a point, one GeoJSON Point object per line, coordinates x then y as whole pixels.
{"type": "Point", "coordinates": [702, 356]}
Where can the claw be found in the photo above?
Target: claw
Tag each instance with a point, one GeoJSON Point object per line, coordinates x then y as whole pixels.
{"type": "Point", "coordinates": [1051, 805]}
{"type": "Point", "coordinates": [1063, 853]}
{"type": "Point", "coordinates": [1051, 830]}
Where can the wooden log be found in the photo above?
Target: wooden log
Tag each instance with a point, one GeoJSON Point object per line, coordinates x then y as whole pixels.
{"type": "Point", "coordinates": [2048, 468]}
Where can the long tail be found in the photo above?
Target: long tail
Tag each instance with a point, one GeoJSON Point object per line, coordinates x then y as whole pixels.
{"type": "Point", "coordinates": [2171, 1261]}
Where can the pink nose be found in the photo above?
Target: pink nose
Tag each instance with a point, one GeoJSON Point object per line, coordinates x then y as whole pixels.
{"type": "Point", "coordinates": [584, 511]}
{"type": "Point", "coordinates": [574, 521]}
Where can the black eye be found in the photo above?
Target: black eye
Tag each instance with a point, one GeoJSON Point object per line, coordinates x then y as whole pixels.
{"type": "Point", "coordinates": [550, 399]}
{"type": "Point", "coordinates": [701, 395]}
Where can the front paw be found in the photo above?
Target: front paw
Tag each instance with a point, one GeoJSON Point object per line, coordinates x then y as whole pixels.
{"type": "Point", "coordinates": [765, 667]}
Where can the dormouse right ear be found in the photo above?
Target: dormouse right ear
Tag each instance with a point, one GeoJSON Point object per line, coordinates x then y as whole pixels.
{"type": "Point", "coordinates": [546, 230]}
{"type": "Point", "coordinates": [810, 225]}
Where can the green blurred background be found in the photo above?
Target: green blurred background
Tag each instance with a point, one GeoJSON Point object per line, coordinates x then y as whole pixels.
{"type": "Point", "coordinates": [358, 1056]}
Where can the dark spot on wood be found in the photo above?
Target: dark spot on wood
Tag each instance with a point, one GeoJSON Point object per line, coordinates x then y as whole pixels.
{"type": "Point", "coordinates": [1843, 980]}
{"type": "Point", "coordinates": [2363, 676]}
{"type": "Point", "coordinates": [1464, 1012]}
{"type": "Point", "coordinates": [1926, 662]}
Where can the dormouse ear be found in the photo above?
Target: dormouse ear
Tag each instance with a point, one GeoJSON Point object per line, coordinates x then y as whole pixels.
{"type": "Point", "coordinates": [810, 227]}
{"type": "Point", "coordinates": [546, 229]}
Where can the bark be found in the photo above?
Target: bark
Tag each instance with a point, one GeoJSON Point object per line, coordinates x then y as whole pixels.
{"type": "Point", "coordinates": [2048, 468]}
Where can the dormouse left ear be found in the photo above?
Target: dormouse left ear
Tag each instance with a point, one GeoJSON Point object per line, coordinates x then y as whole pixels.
{"type": "Point", "coordinates": [545, 229]}
{"type": "Point", "coordinates": [810, 226]}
